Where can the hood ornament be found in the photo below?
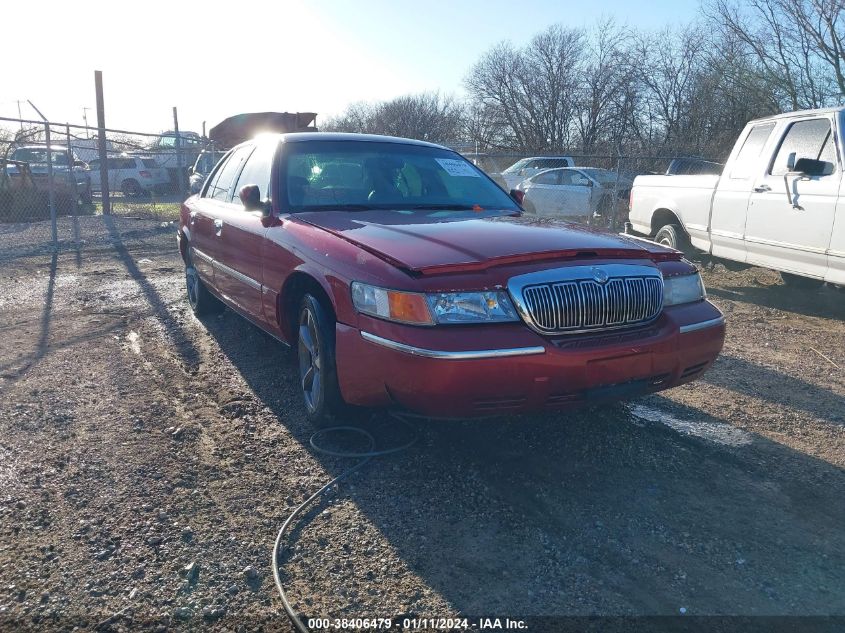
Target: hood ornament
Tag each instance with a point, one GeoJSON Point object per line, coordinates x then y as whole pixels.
{"type": "Point", "coordinates": [599, 275]}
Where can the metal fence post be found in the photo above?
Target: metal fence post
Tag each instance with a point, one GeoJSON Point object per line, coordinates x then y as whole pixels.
{"type": "Point", "coordinates": [181, 180]}
{"type": "Point", "coordinates": [51, 189]}
{"type": "Point", "coordinates": [75, 205]}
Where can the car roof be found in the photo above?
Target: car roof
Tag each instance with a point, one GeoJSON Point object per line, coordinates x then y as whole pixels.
{"type": "Point", "coordinates": [302, 137]}
{"type": "Point", "coordinates": [547, 157]}
{"type": "Point", "coordinates": [798, 114]}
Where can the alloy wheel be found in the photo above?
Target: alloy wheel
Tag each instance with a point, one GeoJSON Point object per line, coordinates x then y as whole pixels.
{"type": "Point", "coordinates": [309, 359]}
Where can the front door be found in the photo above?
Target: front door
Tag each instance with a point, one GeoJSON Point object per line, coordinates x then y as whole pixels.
{"type": "Point", "coordinates": [790, 217]}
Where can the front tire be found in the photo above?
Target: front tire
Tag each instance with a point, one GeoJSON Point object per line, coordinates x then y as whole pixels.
{"type": "Point", "coordinates": [673, 236]}
{"type": "Point", "coordinates": [317, 367]}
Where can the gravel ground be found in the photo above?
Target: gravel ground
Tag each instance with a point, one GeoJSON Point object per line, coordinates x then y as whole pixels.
{"type": "Point", "coordinates": [147, 460]}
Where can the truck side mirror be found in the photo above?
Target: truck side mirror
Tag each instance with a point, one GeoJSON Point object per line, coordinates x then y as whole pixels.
{"type": "Point", "coordinates": [790, 161]}
{"type": "Point", "coordinates": [810, 167]}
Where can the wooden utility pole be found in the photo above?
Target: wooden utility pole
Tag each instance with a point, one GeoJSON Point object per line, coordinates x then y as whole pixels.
{"type": "Point", "coordinates": [101, 143]}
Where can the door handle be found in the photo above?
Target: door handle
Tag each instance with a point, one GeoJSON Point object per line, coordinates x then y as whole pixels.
{"type": "Point", "coordinates": [218, 227]}
{"type": "Point", "coordinates": [762, 189]}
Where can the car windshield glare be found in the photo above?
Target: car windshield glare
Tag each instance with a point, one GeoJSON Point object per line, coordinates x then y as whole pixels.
{"type": "Point", "coordinates": [359, 175]}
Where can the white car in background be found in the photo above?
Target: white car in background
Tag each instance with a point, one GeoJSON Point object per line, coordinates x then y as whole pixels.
{"type": "Point", "coordinates": [573, 192]}
{"type": "Point", "coordinates": [132, 175]}
{"type": "Point", "coordinates": [528, 167]}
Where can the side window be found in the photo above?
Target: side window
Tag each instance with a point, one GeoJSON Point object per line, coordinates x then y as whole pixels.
{"type": "Point", "coordinates": [566, 178]}
{"type": "Point", "coordinates": [257, 170]}
{"type": "Point", "coordinates": [750, 151]}
{"type": "Point", "coordinates": [222, 183]}
{"type": "Point", "coordinates": [580, 180]}
{"type": "Point", "coordinates": [212, 182]}
{"type": "Point", "coordinates": [547, 178]}
{"type": "Point", "coordinates": [807, 139]}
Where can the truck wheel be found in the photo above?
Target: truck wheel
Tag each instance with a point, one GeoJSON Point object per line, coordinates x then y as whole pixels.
{"type": "Point", "coordinates": [529, 207]}
{"type": "Point", "coordinates": [673, 236]}
{"type": "Point", "coordinates": [202, 302]}
{"type": "Point", "coordinates": [800, 283]}
{"type": "Point", "coordinates": [317, 368]}
{"type": "Point", "coordinates": [130, 188]}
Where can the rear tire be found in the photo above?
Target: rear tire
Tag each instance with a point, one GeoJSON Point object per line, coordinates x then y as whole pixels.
{"type": "Point", "coordinates": [317, 367]}
{"type": "Point", "coordinates": [202, 302]}
{"type": "Point", "coordinates": [800, 283]}
{"type": "Point", "coordinates": [673, 236]}
{"type": "Point", "coordinates": [131, 188]}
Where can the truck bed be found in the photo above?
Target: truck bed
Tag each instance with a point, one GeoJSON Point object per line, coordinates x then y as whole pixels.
{"type": "Point", "coordinates": [686, 196]}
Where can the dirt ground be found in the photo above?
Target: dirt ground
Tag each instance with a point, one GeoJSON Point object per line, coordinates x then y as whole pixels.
{"type": "Point", "coordinates": [147, 460]}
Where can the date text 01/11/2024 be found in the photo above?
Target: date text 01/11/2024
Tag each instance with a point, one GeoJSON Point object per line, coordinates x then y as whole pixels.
{"type": "Point", "coordinates": [416, 624]}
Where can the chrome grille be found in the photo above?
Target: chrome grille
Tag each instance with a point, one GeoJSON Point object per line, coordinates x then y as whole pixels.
{"type": "Point", "coordinates": [631, 294]}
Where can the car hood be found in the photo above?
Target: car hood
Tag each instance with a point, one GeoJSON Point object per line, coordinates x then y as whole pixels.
{"type": "Point", "coordinates": [441, 242]}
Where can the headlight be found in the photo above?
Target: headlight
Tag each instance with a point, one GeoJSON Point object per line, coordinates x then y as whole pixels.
{"type": "Point", "coordinates": [683, 289]}
{"type": "Point", "coordinates": [440, 307]}
{"type": "Point", "coordinates": [471, 307]}
{"type": "Point", "coordinates": [394, 305]}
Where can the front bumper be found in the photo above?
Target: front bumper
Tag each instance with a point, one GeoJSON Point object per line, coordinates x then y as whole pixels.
{"type": "Point", "coordinates": [491, 370]}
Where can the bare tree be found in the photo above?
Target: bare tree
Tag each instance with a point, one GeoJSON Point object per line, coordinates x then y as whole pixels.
{"type": "Point", "coordinates": [533, 89]}
{"type": "Point", "coordinates": [427, 116]}
{"type": "Point", "coordinates": [605, 73]}
{"type": "Point", "coordinates": [797, 46]}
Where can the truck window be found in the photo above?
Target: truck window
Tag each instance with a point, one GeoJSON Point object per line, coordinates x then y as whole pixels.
{"type": "Point", "coordinates": [808, 139]}
{"type": "Point", "coordinates": [751, 150]}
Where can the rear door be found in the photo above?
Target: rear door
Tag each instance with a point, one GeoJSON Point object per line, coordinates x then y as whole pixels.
{"type": "Point", "coordinates": [790, 218]}
{"type": "Point", "coordinates": [242, 236]}
{"type": "Point", "coordinates": [204, 220]}
{"type": "Point", "coordinates": [543, 191]}
{"type": "Point", "coordinates": [572, 195]}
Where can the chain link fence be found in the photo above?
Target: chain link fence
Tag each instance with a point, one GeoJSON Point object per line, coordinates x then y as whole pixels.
{"type": "Point", "coordinates": [52, 181]}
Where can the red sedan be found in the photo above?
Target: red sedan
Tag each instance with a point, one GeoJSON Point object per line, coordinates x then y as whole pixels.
{"type": "Point", "coordinates": [407, 278]}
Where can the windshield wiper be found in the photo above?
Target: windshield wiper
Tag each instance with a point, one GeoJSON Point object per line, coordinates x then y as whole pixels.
{"type": "Point", "coordinates": [336, 207]}
{"type": "Point", "coordinates": [451, 207]}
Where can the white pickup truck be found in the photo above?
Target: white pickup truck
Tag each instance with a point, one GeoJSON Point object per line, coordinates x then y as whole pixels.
{"type": "Point", "coordinates": [779, 202]}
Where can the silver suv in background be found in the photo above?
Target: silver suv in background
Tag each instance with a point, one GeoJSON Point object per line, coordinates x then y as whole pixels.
{"type": "Point", "coordinates": [132, 175]}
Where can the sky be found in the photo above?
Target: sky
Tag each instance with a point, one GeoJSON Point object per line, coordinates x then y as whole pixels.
{"type": "Point", "coordinates": [212, 60]}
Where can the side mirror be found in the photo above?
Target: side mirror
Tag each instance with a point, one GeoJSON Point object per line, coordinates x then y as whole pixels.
{"type": "Point", "coordinates": [518, 195]}
{"type": "Point", "coordinates": [79, 163]}
{"type": "Point", "coordinates": [810, 167]}
{"type": "Point", "coordinates": [190, 171]}
{"type": "Point", "coordinates": [250, 196]}
{"type": "Point", "coordinates": [790, 162]}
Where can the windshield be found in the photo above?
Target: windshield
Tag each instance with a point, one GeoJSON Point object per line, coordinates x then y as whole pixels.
{"type": "Point", "coordinates": [516, 166]}
{"type": "Point", "coordinates": [328, 175]}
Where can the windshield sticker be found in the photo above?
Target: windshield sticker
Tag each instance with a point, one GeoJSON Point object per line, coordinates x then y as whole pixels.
{"type": "Point", "coordinates": [456, 167]}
